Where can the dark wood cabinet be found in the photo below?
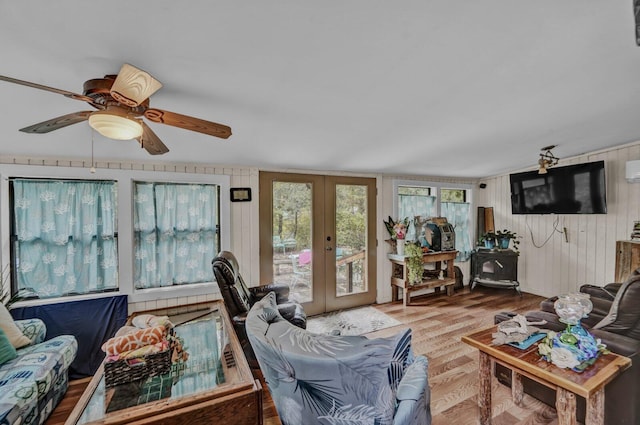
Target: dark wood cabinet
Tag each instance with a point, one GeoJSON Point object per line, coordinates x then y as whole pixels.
{"type": "Point", "coordinates": [627, 259]}
{"type": "Point", "coordinates": [497, 268]}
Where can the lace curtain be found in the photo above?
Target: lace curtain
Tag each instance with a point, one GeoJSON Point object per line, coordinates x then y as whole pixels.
{"type": "Point", "coordinates": [457, 213]}
{"type": "Point", "coordinates": [415, 205]}
{"type": "Point", "coordinates": [65, 236]}
{"type": "Point", "coordinates": [175, 233]}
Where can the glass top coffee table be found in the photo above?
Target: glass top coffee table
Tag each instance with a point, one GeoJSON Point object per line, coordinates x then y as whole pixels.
{"type": "Point", "coordinates": [215, 379]}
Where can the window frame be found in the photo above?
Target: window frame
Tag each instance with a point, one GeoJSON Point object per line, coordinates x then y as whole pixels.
{"type": "Point", "coordinates": [438, 186]}
{"type": "Point", "coordinates": [124, 180]}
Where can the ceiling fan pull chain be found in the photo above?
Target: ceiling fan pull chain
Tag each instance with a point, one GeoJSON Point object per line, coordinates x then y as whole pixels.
{"type": "Point", "coordinates": [93, 167]}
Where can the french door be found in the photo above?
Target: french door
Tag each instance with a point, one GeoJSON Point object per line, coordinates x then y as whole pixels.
{"type": "Point", "coordinates": [317, 234]}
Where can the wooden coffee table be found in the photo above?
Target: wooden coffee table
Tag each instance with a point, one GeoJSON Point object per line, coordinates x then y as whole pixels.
{"type": "Point", "coordinates": [214, 385]}
{"type": "Point", "coordinates": [588, 384]}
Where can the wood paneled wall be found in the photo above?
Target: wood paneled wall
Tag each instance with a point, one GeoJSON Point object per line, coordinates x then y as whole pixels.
{"type": "Point", "coordinates": [549, 264]}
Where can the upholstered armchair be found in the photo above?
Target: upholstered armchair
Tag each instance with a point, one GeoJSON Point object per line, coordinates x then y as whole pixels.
{"type": "Point", "coordinates": [238, 299]}
{"type": "Point", "coordinates": [615, 320]}
{"type": "Point", "coordinates": [324, 379]}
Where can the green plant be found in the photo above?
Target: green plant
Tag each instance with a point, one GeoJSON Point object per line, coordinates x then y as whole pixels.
{"type": "Point", "coordinates": [413, 253]}
{"type": "Point", "coordinates": [489, 236]}
{"type": "Point", "coordinates": [5, 291]}
{"type": "Point", "coordinates": [510, 236]}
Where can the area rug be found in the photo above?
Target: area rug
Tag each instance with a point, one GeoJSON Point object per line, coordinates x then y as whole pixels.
{"type": "Point", "coordinates": [357, 321]}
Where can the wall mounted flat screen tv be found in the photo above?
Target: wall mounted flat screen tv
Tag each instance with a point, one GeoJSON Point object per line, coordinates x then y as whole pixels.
{"type": "Point", "coordinates": [572, 189]}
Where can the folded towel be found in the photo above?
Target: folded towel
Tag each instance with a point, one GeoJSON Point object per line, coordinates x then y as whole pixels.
{"type": "Point", "coordinates": [133, 340]}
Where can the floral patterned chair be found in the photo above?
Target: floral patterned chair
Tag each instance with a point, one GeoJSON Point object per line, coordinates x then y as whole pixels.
{"type": "Point", "coordinates": [325, 379]}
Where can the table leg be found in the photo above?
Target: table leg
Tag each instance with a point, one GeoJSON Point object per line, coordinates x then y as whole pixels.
{"type": "Point", "coordinates": [595, 408]}
{"type": "Point", "coordinates": [516, 388]}
{"type": "Point", "coordinates": [566, 407]}
{"type": "Point", "coordinates": [484, 392]}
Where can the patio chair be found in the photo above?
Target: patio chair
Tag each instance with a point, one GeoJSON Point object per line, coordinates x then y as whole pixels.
{"type": "Point", "coordinates": [301, 272]}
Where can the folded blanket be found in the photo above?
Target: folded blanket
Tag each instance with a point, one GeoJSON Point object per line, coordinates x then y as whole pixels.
{"type": "Point", "coordinates": [133, 340]}
{"type": "Point", "coordinates": [149, 321]}
{"type": "Point", "coordinates": [138, 353]}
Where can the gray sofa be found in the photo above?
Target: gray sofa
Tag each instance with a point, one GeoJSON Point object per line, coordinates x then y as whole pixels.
{"type": "Point", "coordinates": [615, 319]}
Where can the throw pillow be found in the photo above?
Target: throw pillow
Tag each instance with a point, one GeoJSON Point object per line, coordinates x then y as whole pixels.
{"type": "Point", "coordinates": [7, 351]}
{"type": "Point", "coordinates": [16, 337]}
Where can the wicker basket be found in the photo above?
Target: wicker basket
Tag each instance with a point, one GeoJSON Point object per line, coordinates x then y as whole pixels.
{"type": "Point", "coordinates": [125, 371]}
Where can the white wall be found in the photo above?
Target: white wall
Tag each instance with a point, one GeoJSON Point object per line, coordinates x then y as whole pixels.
{"type": "Point", "coordinates": [244, 217]}
{"type": "Point", "coordinates": [589, 254]}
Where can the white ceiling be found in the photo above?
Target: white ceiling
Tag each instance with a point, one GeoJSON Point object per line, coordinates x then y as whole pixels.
{"type": "Point", "coordinates": [430, 87]}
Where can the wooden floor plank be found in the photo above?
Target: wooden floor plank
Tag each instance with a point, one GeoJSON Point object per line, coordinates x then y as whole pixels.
{"type": "Point", "coordinates": [438, 323]}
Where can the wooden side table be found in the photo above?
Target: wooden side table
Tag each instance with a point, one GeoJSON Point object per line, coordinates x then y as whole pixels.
{"type": "Point", "coordinates": [400, 275]}
{"type": "Point", "coordinates": [589, 384]}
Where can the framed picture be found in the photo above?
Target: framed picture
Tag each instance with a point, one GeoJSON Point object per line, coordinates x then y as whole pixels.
{"type": "Point", "coordinates": [240, 194]}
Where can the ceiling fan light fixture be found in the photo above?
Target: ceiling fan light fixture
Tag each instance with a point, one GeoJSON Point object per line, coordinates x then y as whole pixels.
{"type": "Point", "coordinates": [115, 126]}
{"type": "Point", "coordinates": [132, 86]}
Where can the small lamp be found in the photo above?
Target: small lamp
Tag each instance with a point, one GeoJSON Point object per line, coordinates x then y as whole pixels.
{"type": "Point", "coordinates": [115, 125]}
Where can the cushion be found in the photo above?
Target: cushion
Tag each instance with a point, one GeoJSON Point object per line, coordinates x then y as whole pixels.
{"type": "Point", "coordinates": [7, 351]}
{"type": "Point", "coordinates": [12, 332]}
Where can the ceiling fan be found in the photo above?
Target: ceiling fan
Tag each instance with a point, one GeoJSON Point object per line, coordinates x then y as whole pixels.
{"type": "Point", "coordinates": [121, 102]}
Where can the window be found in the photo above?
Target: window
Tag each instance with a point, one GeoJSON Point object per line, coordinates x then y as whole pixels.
{"type": "Point", "coordinates": [416, 198]}
{"type": "Point", "coordinates": [65, 236]}
{"type": "Point", "coordinates": [175, 233]}
{"type": "Point", "coordinates": [67, 232]}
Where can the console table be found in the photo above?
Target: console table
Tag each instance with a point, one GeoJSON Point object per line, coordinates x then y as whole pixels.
{"type": "Point", "coordinates": [214, 385]}
{"type": "Point", "coordinates": [400, 275]}
{"type": "Point", "coordinates": [496, 268]}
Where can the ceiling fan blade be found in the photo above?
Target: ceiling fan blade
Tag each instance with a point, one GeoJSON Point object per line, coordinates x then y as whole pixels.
{"type": "Point", "coordinates": [188, 123]}
{"type": "Point", "coordinates": [47, 88]}
{"type": "Point", "coordinates": [133, 86]}
{"type": "Point", "coordinates": [151, 142]}
{"type": "Point", "coordinates": [56, 123]}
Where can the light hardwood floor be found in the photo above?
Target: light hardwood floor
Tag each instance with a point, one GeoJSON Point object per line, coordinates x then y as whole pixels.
{"type": "Point", "coordinates": [438, 322]}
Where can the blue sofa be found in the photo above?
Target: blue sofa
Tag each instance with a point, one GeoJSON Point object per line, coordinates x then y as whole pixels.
{"type": "Point", "coordinates": [319, 379]}
{"type": "Point", "coordinates": [32, 384]}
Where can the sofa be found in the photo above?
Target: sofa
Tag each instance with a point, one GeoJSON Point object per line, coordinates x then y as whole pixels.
{"type": "Point", "coordinates": [34, 382]}
{"type": "Point", "coordinates": [615, 319]}
{"type": "Point", "coordinates": [330, 379]}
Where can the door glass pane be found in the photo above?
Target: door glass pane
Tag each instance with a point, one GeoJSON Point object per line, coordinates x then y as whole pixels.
{"type": "Point", "coordinates": [292, 238]}
{"type": "Point", "coordinates": [351, 239]}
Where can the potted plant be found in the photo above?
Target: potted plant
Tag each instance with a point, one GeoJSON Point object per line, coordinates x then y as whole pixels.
{"type": "Point", "coordinates": [414, 263]}
{"type": "Point", "coordinates": [488, 240]}
{"type": "Point", "coordinates": [504, 238]}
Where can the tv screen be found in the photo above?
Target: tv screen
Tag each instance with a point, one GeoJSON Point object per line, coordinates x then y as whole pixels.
{"type": "Point", "coordinates": [573, 189]}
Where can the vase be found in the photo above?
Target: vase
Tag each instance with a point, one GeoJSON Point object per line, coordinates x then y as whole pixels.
{"type": "Point", "coordinates": [400, 246]}
{"type": "Point", "coordinates": [489, 243]}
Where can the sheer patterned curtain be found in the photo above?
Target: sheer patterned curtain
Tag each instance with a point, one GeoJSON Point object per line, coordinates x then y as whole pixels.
{"type": "Point", "coordinates": [457, 214]}
{"type": "Point", "coordinates": [65, 236]}
{"type": "Point", "coordinates": [175, 233]}
{"type": "Point", "coordinates": [415, 205]}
